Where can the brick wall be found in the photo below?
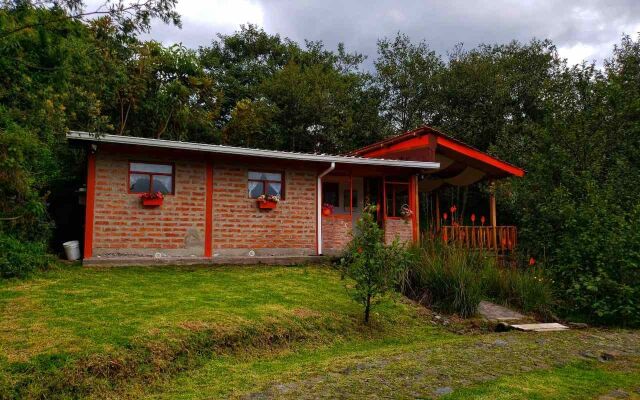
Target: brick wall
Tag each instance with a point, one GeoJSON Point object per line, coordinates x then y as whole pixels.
{"type": "Point", "coordinates": [123, 227]}
{"type": "Point", "coordinates": [398, 228]}
{"type": "Point", "coordinates": [336, 233]}
{"type": "Point", "coordinates": [240, 226]}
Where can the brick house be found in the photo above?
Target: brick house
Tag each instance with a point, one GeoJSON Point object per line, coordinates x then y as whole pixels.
{"type": "Point", "coordinates": [215, 207]}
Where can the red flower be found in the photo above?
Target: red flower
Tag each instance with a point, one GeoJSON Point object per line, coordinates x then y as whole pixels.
{"type": "Point", "coordinates": [473, 218]}
{"type": "Point", "coordinates": [453, 209]}
{"type": "Point", "coordinates": [532, 261]}
{"type": "Point", "coordinates": [444, 215]}
{"type": "Point", "coordinates": [151, 196]}
{"type": "Point", "coordinates": [482, 219]}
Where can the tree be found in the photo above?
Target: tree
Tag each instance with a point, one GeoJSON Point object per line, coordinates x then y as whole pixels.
{"type": "Point", "coordinates": [406, 77]}
{"type": "Point", "coordinates": [131, 17]}
{"type": "Point", "coordinates": [374, 267]}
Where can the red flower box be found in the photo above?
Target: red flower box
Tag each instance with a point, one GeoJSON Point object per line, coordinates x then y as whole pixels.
{"type": "Point", "coordinates": [268, 205]}
{"type": "Point", "coordinates": [152, 202]}
{"type": "Point", "coordinates": [152, 199]}
{"type": "Point", "coordinates": [327, 209]}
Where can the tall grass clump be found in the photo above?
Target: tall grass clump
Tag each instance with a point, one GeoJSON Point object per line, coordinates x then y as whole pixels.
{"type": "Point", "coordinates": [445, 278]}
{"type": "Point", "coordinates": [454, 280]}
{"type": "Point", "coordinates": [528, 289]}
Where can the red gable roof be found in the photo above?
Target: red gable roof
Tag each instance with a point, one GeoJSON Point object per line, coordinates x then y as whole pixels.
{"type": "Point", "coordinates": [425, 142]}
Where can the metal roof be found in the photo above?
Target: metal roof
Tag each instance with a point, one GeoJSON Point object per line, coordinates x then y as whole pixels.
{"type": "Point", "coordinates": [243, 151]}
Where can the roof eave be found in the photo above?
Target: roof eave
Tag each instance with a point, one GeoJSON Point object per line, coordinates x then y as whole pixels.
{"type": "Point", "coordinates": [241, 151]}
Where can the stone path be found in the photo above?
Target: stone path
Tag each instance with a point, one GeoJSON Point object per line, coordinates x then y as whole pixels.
{"type": "Point", "coordinates": [494, 312]}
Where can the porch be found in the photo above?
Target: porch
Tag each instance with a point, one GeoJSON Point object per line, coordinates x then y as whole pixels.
{"type": "Point", "coordinates": [461, 166]}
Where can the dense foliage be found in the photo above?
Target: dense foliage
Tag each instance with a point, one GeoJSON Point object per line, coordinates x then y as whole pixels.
{"type": "Point", "coordinates": [575, 129]}
{"type": "Point", "coordinates": [373, 266]}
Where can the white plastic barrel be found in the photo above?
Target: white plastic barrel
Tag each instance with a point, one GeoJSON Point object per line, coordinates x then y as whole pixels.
{"type": "Point", "coordinates": [72, 250]}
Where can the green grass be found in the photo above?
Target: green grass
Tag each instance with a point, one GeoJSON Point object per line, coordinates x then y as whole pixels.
{"type": "Point", "coordinates": [283, 332]}
{"type": "Point", "coordinates": [84, 320]}
{"type": "Point", "coordinates": [89, 310]}
{"type": "Point", "coordinates": [576, 381]}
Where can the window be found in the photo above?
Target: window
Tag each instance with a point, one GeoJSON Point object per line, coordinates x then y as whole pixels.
{"type": "Point", "coordinates": [346, 197]}
{"type": "Point", "coordinates": [267, 183]}
{"type": "Point", "coordinates": [150, 178]}
{"type": "Point", "coordinates": [330, 193]}
{"type": "Point", "coordinates": [397, 196]}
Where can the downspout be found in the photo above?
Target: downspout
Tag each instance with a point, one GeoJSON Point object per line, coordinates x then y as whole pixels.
{"type": "Point", "coordinates": [319, 205]}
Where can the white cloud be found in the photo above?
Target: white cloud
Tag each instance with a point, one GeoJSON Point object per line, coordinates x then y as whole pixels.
{"type": "Point", "coordinates": [579, 52]}
{"type": "Point", "coordinates": [221, 14]}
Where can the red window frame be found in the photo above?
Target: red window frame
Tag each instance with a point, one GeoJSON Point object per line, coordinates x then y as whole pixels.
{"type": "Point", "coordinates": [266, 181]}
{"type": "Point", "coordinates": [151, 174]}
{"type": "Point", "coordinates": [393, 186]}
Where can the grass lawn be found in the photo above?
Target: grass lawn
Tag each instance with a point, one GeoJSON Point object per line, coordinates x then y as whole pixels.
{"type": "Point", "coordinates": [268, 332]}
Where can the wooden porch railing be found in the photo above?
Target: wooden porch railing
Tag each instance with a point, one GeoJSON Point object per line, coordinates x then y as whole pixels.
{"type": "Point", "coordinates": [482, 237]}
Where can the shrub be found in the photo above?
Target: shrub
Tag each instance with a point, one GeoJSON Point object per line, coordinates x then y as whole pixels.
{"type": "Point", "coordinates": [444, 277]}
{"type": "Point", "coordinates": [373, 266]}
{"type": "Point", "coordinates": [19, 258]}
{"type": "Point", "coordinates": [596, 265]}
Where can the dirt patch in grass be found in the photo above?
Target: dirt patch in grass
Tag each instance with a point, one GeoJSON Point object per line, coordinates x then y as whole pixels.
{"type": "Point", "coordinates": [447, 367]}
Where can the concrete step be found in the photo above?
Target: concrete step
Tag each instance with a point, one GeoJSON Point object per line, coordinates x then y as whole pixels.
{"type": "Point", "coordinates": [548, 327]}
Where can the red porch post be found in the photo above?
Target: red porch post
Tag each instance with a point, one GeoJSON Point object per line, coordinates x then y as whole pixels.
{"type": "Point", "coordinates": [89, 208]}
{"type": "Point", "coordinates": [492, 213]}
{"type": "Point", "coordinates": [414, 200]}
{"type": "Point", "coordinates": [208, 223]}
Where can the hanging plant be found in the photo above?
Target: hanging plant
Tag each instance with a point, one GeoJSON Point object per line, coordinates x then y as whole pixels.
{"type": "Point", "coordinates": [327, 209]}
{"type": "Point", "coordinates": [405, 212]}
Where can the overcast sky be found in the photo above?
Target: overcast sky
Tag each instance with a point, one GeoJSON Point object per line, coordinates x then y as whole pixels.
{"type": "Point", "coordinates": [581, 29]}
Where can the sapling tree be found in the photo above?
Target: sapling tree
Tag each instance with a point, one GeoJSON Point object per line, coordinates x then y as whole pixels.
{"type": "Point", "coordinates": [372, 265]}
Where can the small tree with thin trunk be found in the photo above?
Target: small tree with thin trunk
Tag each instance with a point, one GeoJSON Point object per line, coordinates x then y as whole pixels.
{"type": "Point", "coordinates": [372, 265]}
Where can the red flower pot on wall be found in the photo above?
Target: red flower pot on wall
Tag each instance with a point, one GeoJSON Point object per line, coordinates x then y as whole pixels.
{"type": "Point", "coordinates": [152, 202]}
{"type": "Point", "coordinates": [268, 205]}
{"type": "Point", "coordinates": [327, 209]}
{"type": "Point", "coordinates": [152, 199]}
{"type": "Point", "coordinates": [268, 202]}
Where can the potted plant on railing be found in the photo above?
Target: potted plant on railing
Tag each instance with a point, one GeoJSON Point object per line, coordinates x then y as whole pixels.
{"type": "Point", "coordinates": [406, 213]}
{"type": "Point", "coordinates": [268, 201]}
{"type": "Point", "coordinates": [327, 209]}
{"type": "Point", "coordinates": [152, 199]}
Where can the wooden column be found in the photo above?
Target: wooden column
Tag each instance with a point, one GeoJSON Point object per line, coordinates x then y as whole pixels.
{"type": "Point", "coordinates": [492, 213]}
{"type": "Point", "coordinates": [437, 196]}
{"type": "Point", "coordinates": [351, 194]}
{"type": "Point", "coordinates": [414, 203]}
